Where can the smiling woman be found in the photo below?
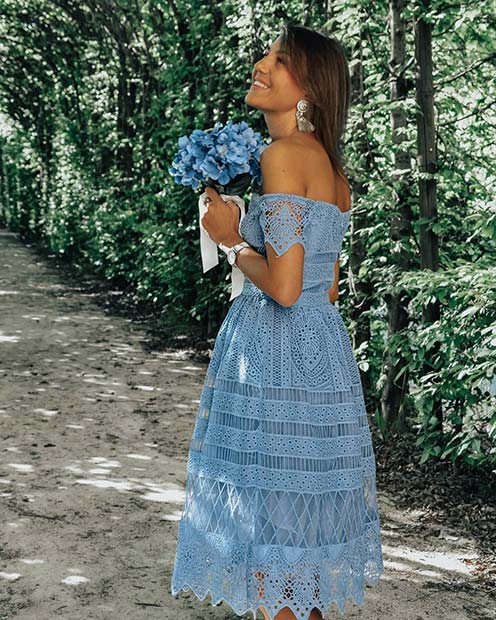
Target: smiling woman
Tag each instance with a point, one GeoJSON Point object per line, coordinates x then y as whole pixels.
{"type": "Point", "coordinates": [281, 512]}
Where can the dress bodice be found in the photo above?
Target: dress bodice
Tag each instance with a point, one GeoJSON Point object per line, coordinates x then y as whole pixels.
{"type": "Point", "coordinates": [283, 219]}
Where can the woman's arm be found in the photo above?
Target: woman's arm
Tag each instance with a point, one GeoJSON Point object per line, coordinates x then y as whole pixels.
{"type": "Point", "coordinates": [281, 277]}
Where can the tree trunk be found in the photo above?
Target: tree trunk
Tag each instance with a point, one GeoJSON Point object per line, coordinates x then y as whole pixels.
{"type": "Point", "coordinates": [126, 102]}
{"type": "Point", "coordinates": [395, 388]}
{"type": "Point", "coordinates": [427, 163]}
{"type": "Point", "coordinates": [4, 189]}
{"type": "Point", "coordinates": [360, 289]}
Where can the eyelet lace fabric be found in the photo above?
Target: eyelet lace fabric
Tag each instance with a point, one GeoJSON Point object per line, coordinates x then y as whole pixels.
{"type": "Point", "coordinates": [280, 506]}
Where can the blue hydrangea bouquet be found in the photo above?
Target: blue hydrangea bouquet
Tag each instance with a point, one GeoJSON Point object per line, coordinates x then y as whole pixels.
{"type": "Point", "coordinates": [226, 158]}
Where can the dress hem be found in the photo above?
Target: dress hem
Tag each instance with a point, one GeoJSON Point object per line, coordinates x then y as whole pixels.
{"type": "Point", "coordinates": [358, 601]}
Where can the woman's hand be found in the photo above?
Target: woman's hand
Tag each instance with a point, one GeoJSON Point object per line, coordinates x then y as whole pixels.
{"type": "Point", "coordinates": [221, 220]}
{"type": "Point", "coordinates": [334, 290]}
{"type": "Point", "coordinates": [333, 295]}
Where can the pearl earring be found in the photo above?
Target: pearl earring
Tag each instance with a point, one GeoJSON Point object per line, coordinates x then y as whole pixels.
{"type": "Point", "coordinates": [301, 120]}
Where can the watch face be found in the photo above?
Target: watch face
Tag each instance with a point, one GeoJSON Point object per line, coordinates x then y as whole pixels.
{"type": "Point", "coordinates": [231, 257]}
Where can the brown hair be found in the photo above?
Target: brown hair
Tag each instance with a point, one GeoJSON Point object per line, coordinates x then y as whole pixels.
{"type": "Point", "coordinates": [327, 84]}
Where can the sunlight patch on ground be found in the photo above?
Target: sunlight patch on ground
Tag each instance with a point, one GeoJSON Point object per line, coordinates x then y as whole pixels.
{"type": "Point", "coordinates": [108, 393]}
{"type": "Point", "coordinates": [174, 516]}
{"type": "Point", "coordinates": [158, 493]}
{"type": "Point", "coordinates": [4, 338]}
{"type": "Point", "coordinates": [104, 462]}
{"type": "Point", "coordinates": [13, 449]}
{"type": "Point", "coordinates": [147, 489]}
{"type": "Point", "coordinates": [46, 412]}
{"type": "Point", "coordinates": [75, 426]}
{"type": "Point", "coordinates": [179, 371]}
{"type": "Point", "coordinates": [73, 580]}
{"type": "Point", "coordinates": [21, 466]}
{"type": "Point", "coordinates": [122, 348]}
{"type": "Point", "coordinates": [452, 562]}
{"type": "Point", "coordinates": [34, 317]}
{"type": "Point", "coordinates": [10, 576]}
{"type": "Point", "coordinates": [144, 457]}
{"type": "Point", "coordinates": [428, 573]}
{"type": "Point", "coordinates": [166, 497]}
{"type": "Point", "coordinates": [93, 380]}
{"type": "Point", "coordinates": [158, 496]}
{"type": "Point", "coordinates": [7, 292]}
{"type": "Point", "coordinates": [14, 524]}
{"type": "Point", "coordinates": [100, 483]}
{"type": "Point", "coordinates": [33, 561]}
{"type": "Point", "coordinates": [74, 469]}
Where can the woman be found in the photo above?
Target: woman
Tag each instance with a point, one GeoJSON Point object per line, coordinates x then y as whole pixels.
{"type": "Point", "coordinates": [281, 512]}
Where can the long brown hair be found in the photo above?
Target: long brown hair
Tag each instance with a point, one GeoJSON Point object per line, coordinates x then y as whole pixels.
{"type": "Point", "coordinates": [319, 66]}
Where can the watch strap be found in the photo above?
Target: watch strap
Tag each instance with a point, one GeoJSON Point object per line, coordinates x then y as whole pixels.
{"type": "Point", "coordinates": [235, 247]}
{"type": "Point", "coordinates": [242, 244]}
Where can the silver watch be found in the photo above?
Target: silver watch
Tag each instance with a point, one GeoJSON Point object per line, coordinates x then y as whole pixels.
{"type": "Point", "coordinates": [231, 252]}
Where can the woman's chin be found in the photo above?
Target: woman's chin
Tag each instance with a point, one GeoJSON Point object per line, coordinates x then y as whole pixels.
{"type": "Point", "coordinates": [249, 100]}
{"type": "Point", "coordinates": [252, 99]}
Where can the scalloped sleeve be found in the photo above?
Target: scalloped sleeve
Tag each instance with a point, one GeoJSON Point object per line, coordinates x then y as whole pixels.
{"type": "Point", "coordinates": [284, 221]}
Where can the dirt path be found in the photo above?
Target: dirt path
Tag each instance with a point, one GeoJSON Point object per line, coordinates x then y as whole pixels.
{"type": "Point", "coordinates": [95, 433]}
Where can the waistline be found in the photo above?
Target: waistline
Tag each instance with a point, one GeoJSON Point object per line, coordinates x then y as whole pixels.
{"type": "Point", "coordinates": [306, 298]}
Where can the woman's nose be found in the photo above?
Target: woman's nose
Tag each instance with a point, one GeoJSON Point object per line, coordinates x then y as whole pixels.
{"type": "Point", "coordinates": [261, 62]}
{"type": "Point", "coordinates": [260, 66]}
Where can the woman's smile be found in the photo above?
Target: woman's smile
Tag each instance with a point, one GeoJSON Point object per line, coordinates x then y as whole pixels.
{"type": "Point", "coordinates": [261, 85]}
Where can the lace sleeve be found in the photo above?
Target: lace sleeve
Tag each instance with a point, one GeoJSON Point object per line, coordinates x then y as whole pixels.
{"type": "Point", "coordinates": [283, 219]}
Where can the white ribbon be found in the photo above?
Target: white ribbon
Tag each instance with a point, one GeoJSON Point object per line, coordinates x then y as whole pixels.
{"type": "Point", "coordinates": [208, 247]}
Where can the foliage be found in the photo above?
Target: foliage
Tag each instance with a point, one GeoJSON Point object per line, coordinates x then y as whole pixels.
{"type": "Point", "coordinates": [461, 349]}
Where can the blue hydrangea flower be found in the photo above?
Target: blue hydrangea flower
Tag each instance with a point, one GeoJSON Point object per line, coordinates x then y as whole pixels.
{"type": "Point", "coordinates": [225, 157]}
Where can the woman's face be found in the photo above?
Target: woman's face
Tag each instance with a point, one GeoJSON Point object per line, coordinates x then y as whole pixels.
{"type": "Point", "coordinates": [282, 93]}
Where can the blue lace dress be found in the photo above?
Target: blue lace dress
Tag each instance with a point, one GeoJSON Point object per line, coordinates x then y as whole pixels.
{"type": "Point", "coordinates": [280, 507]}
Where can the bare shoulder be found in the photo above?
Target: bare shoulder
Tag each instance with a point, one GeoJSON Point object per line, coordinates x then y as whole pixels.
{"type": "Point", "coordinates": [280, 164]}
{"type": "Point", "coordinates": [323, 182]}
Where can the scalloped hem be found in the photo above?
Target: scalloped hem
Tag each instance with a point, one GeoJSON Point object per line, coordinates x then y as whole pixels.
{"type": "Point", "coordinates": [240, 612]}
